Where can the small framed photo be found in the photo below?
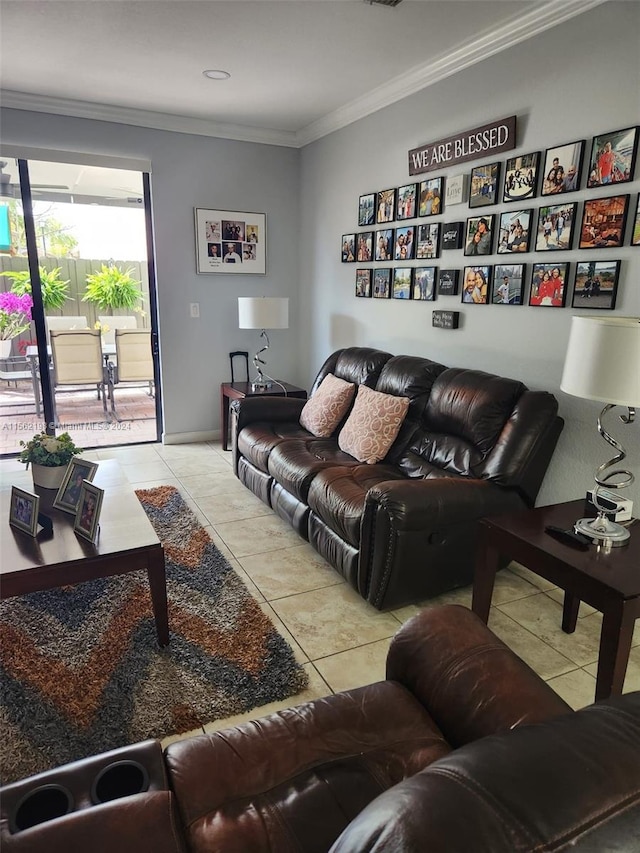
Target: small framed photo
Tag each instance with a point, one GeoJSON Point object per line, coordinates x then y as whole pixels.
{"type": "Point", "coordinates": [428, 240]}
{"type": "Point", "coordinates": [613, 157]}
{"type": "Point", "coordinates": [508, 284]}
{"type": "Point", "coordinates": [635, 234]}
{"type": "Point", "coordinates": [555, 227]}
{"type": "Point", "coordinates": [562, 168]}
{"type": "Point", "coordinates": [479, 236]}
{"type": "Point", "coordinates": [367, 209]}
{"type": "Point", "coordinates": [386, 206]}
{"type": "Point", "coordinates": [430, 197]}
{"type": "Point", "coordinates": [452, 235]}
{"type": "Point", "coordinates": [364, 246]}
{"type": "Point", "coordinates": [363, 282]}
{"type": "Point", "coordinates": [23, 513]}
{"type": "Point", "coordinates": [521, 177]}
{"type": "Point", "coordinates": [596, 285]}
{"type": "Point", "coordinates": [603, 221]}
{"type": "Point", "coordinates": [484, 185]}
{"type": "Point", "coordinates": [382, 283]}
{"type": "Point", "coordinates": [406, 202]}
{"type": "Point", "coordinates": [402, 281]}
{"type": "Point", "coordinates": [448, 282]}
{"type": "Point", "coordinates": [424, 283]}
{"type": "Point", "coordinates": [348, 248]}
{"type": "Point", "coordinates": [514, 232]}
{"type": "Point", "coordinates": [384, 245]}
{"type": "Point", "coordinates": [69, 491]}
{"type": "Point", "coordinates": [88, 512]}
{"type": "Point", "coordinates": [477, 283]}
{"type": "Point", "coordinates": [405, 244]}
{"type": "Point", "coordinates": [548, 285]}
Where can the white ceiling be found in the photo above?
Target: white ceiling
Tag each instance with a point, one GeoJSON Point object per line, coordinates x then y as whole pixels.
{"type": "Point", "coordinates": [299, 68]}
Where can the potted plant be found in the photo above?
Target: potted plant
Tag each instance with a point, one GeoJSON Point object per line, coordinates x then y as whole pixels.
{"type": "Point", "coordinates": [54, 289]}
{"type": "Point", "coordinates": [111, 287]}
{"type": "Point", "coordinates": [48, 456]}
{"type": "Point", "coordinates": [15, 317]}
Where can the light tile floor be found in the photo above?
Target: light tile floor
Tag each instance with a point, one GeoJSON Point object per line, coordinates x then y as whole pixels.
{"type": "Point", "coordinates": [340, 639]}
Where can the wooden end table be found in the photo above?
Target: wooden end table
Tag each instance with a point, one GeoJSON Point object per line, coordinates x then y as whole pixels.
{"type": "Point", "coordinates": [240, 390]}
{"type": "Point", "coordinates": [608, 580]}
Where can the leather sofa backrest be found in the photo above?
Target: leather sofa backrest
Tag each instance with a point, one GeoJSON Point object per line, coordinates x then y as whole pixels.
{"type": "Point", "coordinates": [361, 365]}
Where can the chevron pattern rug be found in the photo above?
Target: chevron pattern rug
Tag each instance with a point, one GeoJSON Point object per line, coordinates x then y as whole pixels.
{"type": "Point", "coordinates": [81, 671]}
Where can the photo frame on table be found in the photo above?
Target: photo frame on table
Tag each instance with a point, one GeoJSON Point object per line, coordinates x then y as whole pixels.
{"type": "Point", "coordinates": [430, 197]}
{"type": "Point", "coordinates": [549, 285]}
{"type": "Point", "coordinates": [367, 209]}
{"type": "Point", "coordinates": [448, 282]}
{"type": "Point", "coordinates": [231, 242]}
{"type": "Point", "coordinates": [382, 283]}
{"type": "Point", "coordinates": [406, 202]}
{"type": "Point", "coordinates": [555, 227]}
{"type": "Point", "coordinates": [384, 244]}
{"type": "Point", "coordinates": [603, 222]}
{"type": "Point", "coordinates": [596, 285]}
{"type": "Point", "coordinates": [402, 282]}
{"type": "Point", "coordinates": [635, 234]}
{"type": "Point", "coordinates": [476, 285]}
{"type": "Point", "coordinates": [23, 510]}
{"type": "Point", "coordinates": [363, 282]}
{"type": "Point", "coordinates": [514, 233]}
{"type": "Point", "coordinates": [479, 235]}
{"type": "Point", "coordinates": [612, 159]}
{"type": "Point", "coordinates": [405, 245]}
{"type": "Point", "coordinates": [364, 246]}
{"type": "Point", "coordinates": [386, 206]}
{"type": "Point", "coordinates": [521, 177]}
{"type": "Point", "coordinates": [68, 494]}
{"type": "Point", "coordinates": [348, 248]}
{"type": "Point", "coordinates": [508, 284]}
{"type": "Point", "coordinates": [562, 168]}
{"type": "Point", "coordinates": [428, 240]}
{"type": "Point", "coordinates": [485, 185]}
{"type": "Point", "coordinates": [424, 284]}
{"type": "Point", "coordinates": [87, 519]}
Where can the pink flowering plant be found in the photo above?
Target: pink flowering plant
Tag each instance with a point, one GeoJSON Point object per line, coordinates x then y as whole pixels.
{"type": "Point", "coordinates": [15, 315]}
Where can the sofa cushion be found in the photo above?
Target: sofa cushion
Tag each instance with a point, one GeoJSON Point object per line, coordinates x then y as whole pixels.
{"type": "Point", "coordinates": [373, 425]}
{"type": "Point", "coordinates": [361, 365]}
{"type": "Point", "coordinates": [257, 440]}
{"type": "Point", "coordinates": [324, 411]}
{"type": "Point", "coordinates": [296, 462]}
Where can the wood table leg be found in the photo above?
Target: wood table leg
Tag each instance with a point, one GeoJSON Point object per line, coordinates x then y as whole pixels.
{"type": "Point", "coordinates": [224, 418]}
{"type": "Point", "coordinates": [158, 585]}
{"type": "Point", "coordinates": [484, 577]}
{"type": "Point", "coordinates": [570, 613]}
{"type": "Point", "coordinates": [615, 644]}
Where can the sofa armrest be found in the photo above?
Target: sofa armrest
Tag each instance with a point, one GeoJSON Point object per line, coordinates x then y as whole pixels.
{"type": "Point", "coordinates": [272, 409]}
{"type": "Point", "coordinates": [467, 679]}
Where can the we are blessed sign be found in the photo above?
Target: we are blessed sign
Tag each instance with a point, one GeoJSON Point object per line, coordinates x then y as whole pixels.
{"type": "Point", "coordinates": [472, 144]}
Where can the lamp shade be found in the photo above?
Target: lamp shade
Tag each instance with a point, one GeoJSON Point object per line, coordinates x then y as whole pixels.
{"type": "Point", "coordinates": [263, 312]}
{"type": "Point", "coordinates": [603, 360]}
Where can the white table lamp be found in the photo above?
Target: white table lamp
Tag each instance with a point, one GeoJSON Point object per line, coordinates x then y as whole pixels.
{"type": "Point", "coordinates": [262, 312]}
{"type": "Point", "coordinates": [603, 363]}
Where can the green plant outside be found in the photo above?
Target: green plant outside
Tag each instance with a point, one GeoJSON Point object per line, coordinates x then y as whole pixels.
{"type": "Point", "coordinates": [54, 289]}
{"type": "Point", "coordinates": [113, 288]}
{"type": "Point", "coordinates": [48, 450]}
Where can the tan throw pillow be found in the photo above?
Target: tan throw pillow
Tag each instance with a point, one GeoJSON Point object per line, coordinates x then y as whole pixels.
{"type": "Point", "coordinates": [324, 411]}
{"type": "Point", "coordinates": [373, 425]}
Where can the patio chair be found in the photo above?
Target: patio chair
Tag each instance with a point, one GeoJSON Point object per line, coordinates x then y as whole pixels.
{"type": "Point", "coordinates": [114, 323]}
{"type": "Point", "coordinates": [77, 360]}
{"type": "Point", "coordinates": [134, 359]}
{"type": "Point", "coordinates": [70, 322]}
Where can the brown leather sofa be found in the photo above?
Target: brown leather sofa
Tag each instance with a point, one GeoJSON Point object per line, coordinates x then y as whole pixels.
{"type": "Point", "coordinates": [463, 748]}
{"type": "Point", "coordinates": [473, 444]}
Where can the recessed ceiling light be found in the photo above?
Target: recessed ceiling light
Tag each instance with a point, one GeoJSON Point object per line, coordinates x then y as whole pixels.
{"type": "Point", "coordinates": [216, 75]}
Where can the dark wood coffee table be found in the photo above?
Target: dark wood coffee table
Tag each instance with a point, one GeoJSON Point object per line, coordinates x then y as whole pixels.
{"type": "Point", "coordinates": [127, 543]}
{"type": "Point", "coordinates": [607, 580]}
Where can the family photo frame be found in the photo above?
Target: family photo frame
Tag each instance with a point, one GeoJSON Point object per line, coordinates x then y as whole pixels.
{"type": "Point", "coordinates": [484, 185]}
{"type": "Point", "coordinates": [603, 222]}
{"type": "Point", "coordinates": [612, 158]}
{"type": "Point", "coordinates": [555, 227]}
{"type": "Point", "coordinates": [562, 168]}
{"type": "Point", "coordinates": [386, 206]}
{"type": "Point", "coordinates": [406, 202]}
{"type": "Point", "coordinates": [23, 512]}
{"type": "Point", "coordinates": [384, 243]}
{"type": "Point", "coordinates": [424, 284]}
{"type": "Point", "coordinates": [635, 234]}
{"type": "Point", "coordinates": [514, 233]}
{"type": "Point", "coordinates": [363, 282]}
{"type": "Point", "coordinates": [87, 518]}
{"type": "Point", "coordinates": [596, 285]}
{"type": "Point", "coordinates": [549, 285]}
{"type": "Point", "coordinates": [402, 282]}
{"type": "Point", "coordinates": [68, 494]}
{"type": "Point", "coordinates": [508, 284]}
{"type": "Point", "coordinates": [521, 177]}
{"type": "Point", "coordinates": [348, 248]}
{"type": "Point", "coordinates": [367, 209]}
{"type": "Point", "coordinates": [430, 197]}
{"type": "Point", "coordinates": [382, 283]}
{"type": "Point", "coordinates": [230, 242]}
{"type": "Point", "coordinates": [479, 235]}
{"type": "Point", "coordinates": [476, 285]}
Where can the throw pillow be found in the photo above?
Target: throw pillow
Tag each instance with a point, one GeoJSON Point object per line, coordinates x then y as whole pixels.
{"type": "Point", "coordinates": [324, 411]}
{"type": "Point", "coordinates": [373, 425]}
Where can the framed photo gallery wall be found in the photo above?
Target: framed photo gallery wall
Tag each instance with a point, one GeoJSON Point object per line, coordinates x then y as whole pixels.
{"type": "Point", "coordinates": [230, 242]}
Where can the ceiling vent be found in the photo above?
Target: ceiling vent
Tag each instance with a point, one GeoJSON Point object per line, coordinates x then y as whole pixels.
{"type": "Point", "coordinates": [383, 2]}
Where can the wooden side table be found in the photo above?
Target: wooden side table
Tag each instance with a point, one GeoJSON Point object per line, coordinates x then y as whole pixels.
{"type": "Point", "coordinates": [608, 580]}
{"type": "Point", "coordinates": [239, 390]}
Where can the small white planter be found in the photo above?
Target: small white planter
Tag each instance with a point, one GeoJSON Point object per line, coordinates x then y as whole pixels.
{"type": "Point", "coordinates": [5, 348]}
{"type": "Point", "coordinates": [46, 477]}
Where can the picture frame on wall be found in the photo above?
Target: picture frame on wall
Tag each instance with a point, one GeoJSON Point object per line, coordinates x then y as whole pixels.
{"type": "Point", "coordinates": [363, 282]}
{"type": "Point", "coordinates": [562, 168]}
{"type": "Point", "coordinates": [484, 185]}
{"type": "Point", "coordinates": [635, 234]}
{"type": "Point", "coordinates": [514, 233]}
{"type": "Point", "coordinates": [384, 244]}
{"type": "Point", "coordinates": [424, 284]}
{"type": "Point", "coordinates": [348, 248]}
{"type": "Point", "coordinates": [476, 285]}
{"type": "Point", "coordinates": [452, 235]}
{"type": "Point", "coordinates": [402, 282]}
{"type": "Point", "coordinates": [428, 240]}
{"type": "Point", "coordinates": [521, 177]}
{"type": "Point", "coordinates": [367, 209]}
{"type": "Point", "coordinates": [508, 284]}
{"type": "Point", "coordinates": [231, 242]}
{"type": "Point", "coordinates": [596, 285]}
{"type": "Point", "coordinates": [405, 245]}
{"type": "Point", "coordinates": [555, 227]}
{"type": "Point", "coordinates": [448, 282]}
{"type": "Point", "coordinates": [382, 283]}
{"type": "Point", "coordinates": [406, 202]}
{"type": "Point", "coordinates": [430, 197]}
{"type": "Point", "coordinates": [603, 222]}
{"type": "Point", "coordinates": [364, 246]}
{"type": "Point", "coordinates": [549, 285]}
{"type": "Point", "coordinates": [23, 511]}
{"type": "Point", "coordinates": [479, 235]}
{"type": "Point", "coordinates": [386, 206]}
{"type": "Point", "coordinates": [612, 159]}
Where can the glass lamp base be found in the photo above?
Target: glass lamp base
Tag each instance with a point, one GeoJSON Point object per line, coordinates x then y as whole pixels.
{"type": "Point", "coordinates": [600, 529]}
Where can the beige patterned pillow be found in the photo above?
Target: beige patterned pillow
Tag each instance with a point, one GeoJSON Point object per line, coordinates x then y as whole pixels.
{"type": "Point", "coordinates": [373, 425]}
{"type": "Point", "coordinates": [330, 403]}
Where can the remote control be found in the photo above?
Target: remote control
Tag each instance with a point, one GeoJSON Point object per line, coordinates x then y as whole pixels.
{"type": "Point", "coordinates": [569, 537]}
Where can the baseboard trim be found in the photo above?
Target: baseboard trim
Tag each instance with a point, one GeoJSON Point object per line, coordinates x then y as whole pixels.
{"type": "Point", "coordinates": [191, 437]}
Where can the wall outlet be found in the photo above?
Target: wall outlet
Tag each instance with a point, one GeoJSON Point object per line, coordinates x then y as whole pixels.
{"type": "Point", "coordinates": [194, 309]}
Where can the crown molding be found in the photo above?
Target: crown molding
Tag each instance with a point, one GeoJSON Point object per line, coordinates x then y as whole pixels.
{"type": "Point", "coordinates": [513, 31]}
